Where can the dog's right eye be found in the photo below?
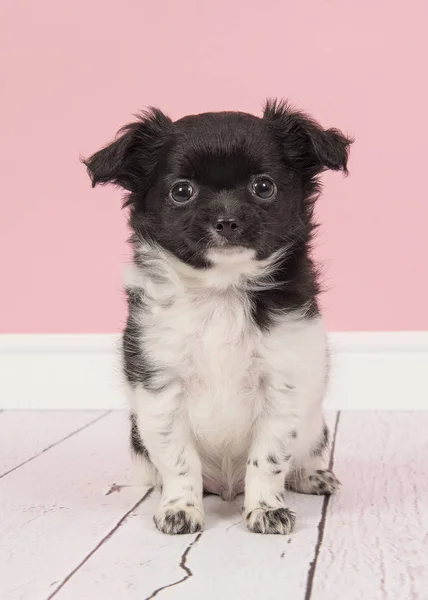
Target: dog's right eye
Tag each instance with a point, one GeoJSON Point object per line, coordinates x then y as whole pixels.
{"type": "Point", "coordinates": [182, 192]}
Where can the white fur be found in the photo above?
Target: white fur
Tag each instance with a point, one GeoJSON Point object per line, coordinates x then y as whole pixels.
{"type": "Point", "coordinates": [227, 392]}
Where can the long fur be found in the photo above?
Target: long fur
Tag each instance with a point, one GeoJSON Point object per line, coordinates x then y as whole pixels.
{"type": "Point", "coordinates": [224, 350]}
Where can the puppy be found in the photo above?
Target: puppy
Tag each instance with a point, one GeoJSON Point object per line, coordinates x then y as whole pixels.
{"type": "Point", "coordinates": [224, 350]}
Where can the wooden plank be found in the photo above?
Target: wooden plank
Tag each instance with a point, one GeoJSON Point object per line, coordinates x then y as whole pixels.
{"type": "Point", "coordinates": [253, 566]}
{"type": "Point", "coordinates": [375, 534]}
{"type": "Point", "coordinates": [26, 434]}
{"type": "Point", "coordinates": [132, 563]}
{"type": "Point", "coordinates": [225, 561]}
{"type": "Point", "coordinates": [56, 509]}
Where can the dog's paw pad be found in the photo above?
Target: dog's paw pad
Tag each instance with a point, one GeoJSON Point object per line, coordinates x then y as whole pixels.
{"type": "Point", "coordinates": [277, 520]}
{"type": "Point", "coordinates": [324, 481]}
{"type": "Point", "coordinates": [179, 520]}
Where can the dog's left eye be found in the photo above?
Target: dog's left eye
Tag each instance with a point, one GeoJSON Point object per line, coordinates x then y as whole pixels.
{"type": "Point", "coordinates": [182, 191]}
{"type": "Point", "coordinates": [264, 188]}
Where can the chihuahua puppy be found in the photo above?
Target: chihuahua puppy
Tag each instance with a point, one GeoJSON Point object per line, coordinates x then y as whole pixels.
{"type": "Point", "coordinates": [224, 350]}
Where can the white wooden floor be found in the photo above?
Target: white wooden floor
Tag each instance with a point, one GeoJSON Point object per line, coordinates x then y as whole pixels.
{"type": "Point", "coordinates": [73, 526]}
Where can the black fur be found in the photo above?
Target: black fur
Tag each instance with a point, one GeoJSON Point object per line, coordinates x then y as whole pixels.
{"type": "Point", "coordinates": [272, 459]}
{"type": "Point", "coordinates": [136, 443]}
{"type": "Point", "coordinates": [178, 523]}
{"type": "Point", "coordinates": [221, 155]}
{"type": "Point", "coordinates": [272, 521]}
{"type": "Point", "coordinates": [322, 443]}
{"type": "Point", "coordinates": [136, 365]}
{"type": "Point", "coordinates": [324, 482]}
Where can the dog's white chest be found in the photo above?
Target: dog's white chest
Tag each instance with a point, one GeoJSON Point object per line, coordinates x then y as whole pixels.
{"type": "Point", "coordinates": [212, 345]}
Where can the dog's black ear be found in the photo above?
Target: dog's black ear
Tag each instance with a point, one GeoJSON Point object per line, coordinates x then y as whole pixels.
{"type": "Point", "coordinates": [131, 158]}
{"type": "Point", "coordinates": [306, 145]}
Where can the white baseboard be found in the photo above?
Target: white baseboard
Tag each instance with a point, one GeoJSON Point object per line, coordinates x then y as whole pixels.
{"type": "Point", "coordinates": [379, 370]}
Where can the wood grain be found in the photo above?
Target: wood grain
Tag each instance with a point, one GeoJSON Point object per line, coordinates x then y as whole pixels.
{"type": "Point", "coordinates": [26, 434]}
{"type": "Point", "coordinates": [226, 561]}
{"type": "Point", "coordinates": [72, 525]}
{"type": "Point", "coordinates": [375, 543]}
{"type": "Point", "coordinates": [135, 562]}
{"type": "Point", "coordinates": [54, 510]}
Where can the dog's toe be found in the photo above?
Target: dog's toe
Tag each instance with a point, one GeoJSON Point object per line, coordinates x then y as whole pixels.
{"type": "Point", "coordinates": [179, 520]}
{"type": "Point", "coordinates": [319, 482]}
{"type": "Point", "coordinates": [277, 521]}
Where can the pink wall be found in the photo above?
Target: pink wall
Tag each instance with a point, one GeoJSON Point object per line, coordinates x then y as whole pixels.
{"type": "Point", "coordinates": [75, 71]}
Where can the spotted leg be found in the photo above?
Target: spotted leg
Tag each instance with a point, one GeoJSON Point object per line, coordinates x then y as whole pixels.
{"type": "Point", "coordinates": [268, 465]}
{"type": "Point", "coordinates": [309, 473]}
{"type": "Point", "coordinates": [164, 432]}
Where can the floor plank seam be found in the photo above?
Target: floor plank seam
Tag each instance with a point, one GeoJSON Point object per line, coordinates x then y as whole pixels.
{"type": "Point", "coordinates": [104, 414]}
{"type": "Point", "coordinates": [100, 543]}
{"type": "Point", "coordinates": [182, 565]}
{"type": "Point", "coordinates": [321, 524]}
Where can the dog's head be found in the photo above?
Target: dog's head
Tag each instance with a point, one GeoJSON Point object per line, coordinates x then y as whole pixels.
{"type": "Point", "coordinates": [220, 183]}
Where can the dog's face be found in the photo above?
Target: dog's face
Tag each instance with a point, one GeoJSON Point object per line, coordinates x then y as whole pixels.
{"type": "Point", "coordinates": [221, 183]}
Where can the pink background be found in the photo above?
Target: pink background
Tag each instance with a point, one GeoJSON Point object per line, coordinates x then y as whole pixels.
{"type": "Point", "coordinates": [76, 71]}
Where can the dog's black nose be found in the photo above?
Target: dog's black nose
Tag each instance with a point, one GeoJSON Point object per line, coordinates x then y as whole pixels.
{"type": "Point", "coordinates": [227, 227]}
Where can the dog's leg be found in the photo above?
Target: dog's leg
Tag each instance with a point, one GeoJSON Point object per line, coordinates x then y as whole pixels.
{"type": "Point", "coordinates": [147, 474]}
{"type": "Point", "coordinates": [268, 465]}
{"type": "Point", "coordinates": [309, 473]}
{"type": "Point", "coordinates": [164, 431]}
{"type": "Point", "coordinates": [295, 357]}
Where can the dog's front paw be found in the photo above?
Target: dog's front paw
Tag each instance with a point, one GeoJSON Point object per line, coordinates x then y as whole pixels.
{"type": "Point", "coordinates": [271, 520]}
{"type": "Point", "coordinates": [179, 520]}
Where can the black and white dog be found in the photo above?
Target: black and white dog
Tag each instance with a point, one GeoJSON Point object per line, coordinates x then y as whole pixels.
{"type": "Point", "coordinates": [224, 349]}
